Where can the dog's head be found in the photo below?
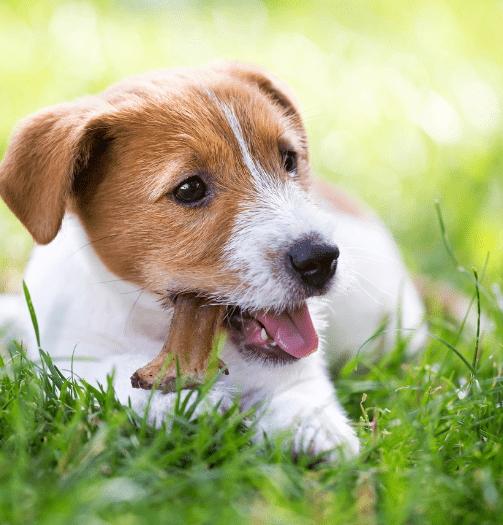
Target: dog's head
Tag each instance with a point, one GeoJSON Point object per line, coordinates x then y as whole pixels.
{"type": "Point", "coordinates": [186, 180]}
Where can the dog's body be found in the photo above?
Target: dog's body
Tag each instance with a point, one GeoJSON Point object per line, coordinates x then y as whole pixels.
{"type": "Point", "coordinates": [198, 181]}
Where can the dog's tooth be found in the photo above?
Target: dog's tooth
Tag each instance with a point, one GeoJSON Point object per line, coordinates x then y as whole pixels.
{"type": "Point", "coordinates": [263, 335]}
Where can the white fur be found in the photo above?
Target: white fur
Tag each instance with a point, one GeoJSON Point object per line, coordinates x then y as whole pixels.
{"type": "Point", "coordinates": [374, 288]}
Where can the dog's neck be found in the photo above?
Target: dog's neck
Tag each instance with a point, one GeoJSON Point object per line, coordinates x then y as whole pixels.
{"type": "Point", "coordinates": [119, 307]}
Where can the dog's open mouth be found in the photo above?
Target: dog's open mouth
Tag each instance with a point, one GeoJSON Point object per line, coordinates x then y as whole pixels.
{"type": "Point", "coordinates": [292, 331]}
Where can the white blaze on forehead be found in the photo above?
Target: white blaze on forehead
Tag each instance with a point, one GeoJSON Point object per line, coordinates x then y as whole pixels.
{"type": "Point", "coordinates": [256, 171]}
{"type": "Point", "coordinates": [238, 134]}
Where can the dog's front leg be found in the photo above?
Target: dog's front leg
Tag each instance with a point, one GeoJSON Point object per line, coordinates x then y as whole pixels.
{"type": "Point", "coordinates": [298, 399]}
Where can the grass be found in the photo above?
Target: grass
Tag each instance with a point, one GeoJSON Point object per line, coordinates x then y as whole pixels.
{"type": "Point", "coordinates": [431, 430]}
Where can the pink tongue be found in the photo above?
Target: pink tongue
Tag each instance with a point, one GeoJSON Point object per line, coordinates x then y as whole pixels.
{"type": "Point", "coordinates": [292, 331]}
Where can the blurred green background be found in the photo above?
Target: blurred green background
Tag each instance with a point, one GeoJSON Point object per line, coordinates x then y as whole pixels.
{"type": "Point", "coordinates": [402, 99]}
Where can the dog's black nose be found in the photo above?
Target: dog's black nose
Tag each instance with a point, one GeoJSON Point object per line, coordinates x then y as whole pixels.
{"type": "Point", "coordinates": [312, 262]}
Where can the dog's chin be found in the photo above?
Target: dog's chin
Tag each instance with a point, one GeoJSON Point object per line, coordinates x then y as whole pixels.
{"type": "Point", "coordinates": [270, 355]}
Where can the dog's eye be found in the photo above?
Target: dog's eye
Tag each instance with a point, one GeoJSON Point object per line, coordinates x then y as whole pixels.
{"type": "Point", "coordinates": [191, 190]}
{"type": "Point", "coordinates": [290, 162]}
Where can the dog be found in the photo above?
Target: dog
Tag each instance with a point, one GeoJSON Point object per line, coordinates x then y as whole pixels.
{"type": "Point", "coordinates": [198, 180]}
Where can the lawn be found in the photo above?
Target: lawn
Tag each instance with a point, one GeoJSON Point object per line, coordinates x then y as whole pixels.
{"type": "Point", "coordinates": [402, 103]}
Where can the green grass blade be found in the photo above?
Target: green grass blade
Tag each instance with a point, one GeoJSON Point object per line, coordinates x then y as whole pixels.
{"type": "Point", "coordinates": [447, 244]}
{"type": "Point", "coordinates": [477, 339]}
{"type": "Point", "coordinates": [32, 312]}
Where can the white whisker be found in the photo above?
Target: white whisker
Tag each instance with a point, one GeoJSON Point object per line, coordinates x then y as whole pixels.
{"type": "Point", "coordinates": [372, 283]}
{"type": "Point", "coordinates": [354, 280]}
{"type": "Point", "coordinates": [141, 290]}
{"type": "Point", "coordinates": [364, 259]}
{"type": "Point", "coordinates": [385, 257]}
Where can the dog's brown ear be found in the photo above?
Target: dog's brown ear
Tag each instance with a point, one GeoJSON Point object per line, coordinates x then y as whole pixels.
{"type": "Point", "coordinates": [268, 83]}
{"type": "Point", "coordinates": [38, 169]}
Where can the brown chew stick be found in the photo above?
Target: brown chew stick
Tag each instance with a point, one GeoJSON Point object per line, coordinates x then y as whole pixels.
{"type": "Point", "coordinates": [193, 328]}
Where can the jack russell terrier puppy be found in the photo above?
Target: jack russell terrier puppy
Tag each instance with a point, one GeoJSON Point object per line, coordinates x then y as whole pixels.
{"type": "Point", "coordinates": [198, 180]}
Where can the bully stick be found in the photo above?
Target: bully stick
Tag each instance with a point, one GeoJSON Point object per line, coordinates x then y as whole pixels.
{"type": "Point", "coordinates": [193, 329]}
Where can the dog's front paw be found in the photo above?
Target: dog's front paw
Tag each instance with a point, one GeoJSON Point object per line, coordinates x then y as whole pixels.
{"type": "Point", "coordinates": [334, 440]}
{"type": "Point", "coordinates": [312, 428]}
